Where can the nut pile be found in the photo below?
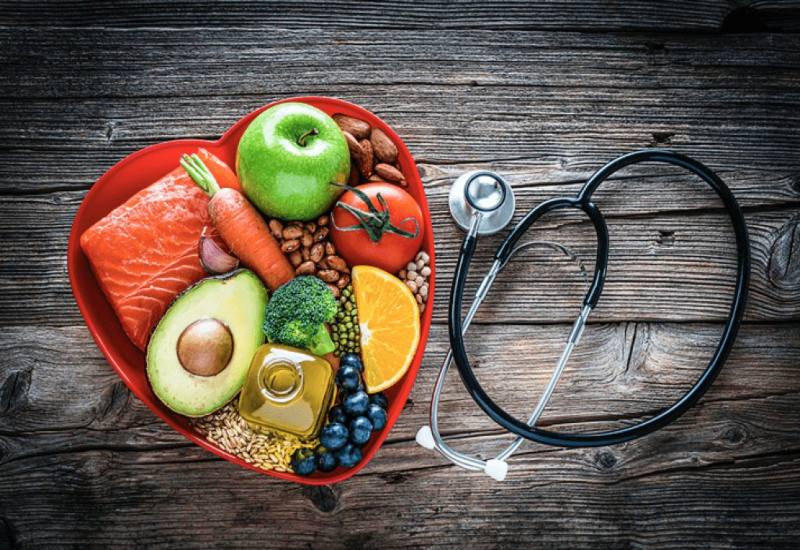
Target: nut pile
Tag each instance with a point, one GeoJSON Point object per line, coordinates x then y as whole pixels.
{"type": "Point", "coordinates": [416, 275]}
{"type": "Point", "coordinates": [310, 251]}
{"type": "Point", "coordinates": [227, 429]}
{"type": "Point", "coordinates": [373, 153]}
{"type": "Point", "coordinates": [344, 330]}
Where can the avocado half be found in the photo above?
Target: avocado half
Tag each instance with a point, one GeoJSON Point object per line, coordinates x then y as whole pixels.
{"type": "Point", "coordinates": [234, 304]}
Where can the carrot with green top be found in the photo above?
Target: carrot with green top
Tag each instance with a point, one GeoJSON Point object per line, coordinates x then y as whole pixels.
{"type": "Point", "coordinates": [241, 226]}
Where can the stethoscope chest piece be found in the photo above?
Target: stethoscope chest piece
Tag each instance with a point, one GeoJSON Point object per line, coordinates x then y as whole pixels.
{"type": "Point", "coordinates": [485, 192]}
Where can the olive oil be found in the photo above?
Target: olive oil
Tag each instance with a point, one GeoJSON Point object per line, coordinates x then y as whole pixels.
{"type": "Point", "coordinates": [287, 390]}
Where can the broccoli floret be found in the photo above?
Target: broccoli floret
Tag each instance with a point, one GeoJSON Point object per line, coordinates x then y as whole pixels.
{"type": "Point", "coordinates": [297, 313]}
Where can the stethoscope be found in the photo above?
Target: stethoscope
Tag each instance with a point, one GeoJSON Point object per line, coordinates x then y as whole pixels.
{"type": "Point", "coordinates": [482, 203]}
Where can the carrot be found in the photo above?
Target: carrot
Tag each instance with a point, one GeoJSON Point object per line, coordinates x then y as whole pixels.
{"type": "Point", "coordinates": [221, 171]}
{"type": "Point", "coordinates": [241, 226]}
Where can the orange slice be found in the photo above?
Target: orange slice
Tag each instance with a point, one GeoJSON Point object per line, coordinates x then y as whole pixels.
{"type": "Point", "coordinates": [388, 317]}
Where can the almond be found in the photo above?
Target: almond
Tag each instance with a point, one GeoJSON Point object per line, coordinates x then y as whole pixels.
{"type": "Point", "coordinates": [390, 173]}
{"type": "Point", "coordinates": [366, 159]}
{"type": "Point", "coordinates": [352, 144]}
{"type": "Point", "coordinates": [355, 126]}
{"type": "Point", "coordinates": [383, 147]}
{"type": "Point", "coordinates": [354, 178]}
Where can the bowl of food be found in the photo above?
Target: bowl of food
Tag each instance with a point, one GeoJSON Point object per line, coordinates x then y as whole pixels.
{"type": "Point", "coordinates": [266, 294]}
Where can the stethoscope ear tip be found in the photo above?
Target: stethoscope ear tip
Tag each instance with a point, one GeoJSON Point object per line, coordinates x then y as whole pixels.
{"type": "Point", "coordinates": [425, 438]}
{"type": "Point", "coordinates": [496, 469]}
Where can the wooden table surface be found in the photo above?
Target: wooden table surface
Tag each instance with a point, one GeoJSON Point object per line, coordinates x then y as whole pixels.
{"type": "Point", "coordinates": [543, 94]}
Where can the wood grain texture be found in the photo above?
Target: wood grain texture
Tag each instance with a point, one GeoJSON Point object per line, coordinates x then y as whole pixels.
{"type": "Point", "coordinates": [544, 93]}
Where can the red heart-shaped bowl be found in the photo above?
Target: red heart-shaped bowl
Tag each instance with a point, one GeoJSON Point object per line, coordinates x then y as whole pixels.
{"type": "Point", "coordinates": [142, 168]}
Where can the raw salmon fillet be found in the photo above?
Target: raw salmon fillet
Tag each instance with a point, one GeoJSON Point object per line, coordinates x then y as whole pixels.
{"type": "Point", "coordinates": [144, 253]}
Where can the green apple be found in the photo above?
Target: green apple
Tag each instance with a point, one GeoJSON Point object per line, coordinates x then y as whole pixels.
{"type": "Point", "coordinates": [287, 159]}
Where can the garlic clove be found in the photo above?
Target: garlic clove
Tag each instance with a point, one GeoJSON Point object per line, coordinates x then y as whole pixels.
{"type": "Point", "coordinates": [213, 258]}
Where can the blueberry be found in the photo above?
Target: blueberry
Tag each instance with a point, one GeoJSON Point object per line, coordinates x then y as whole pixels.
{"type": "Point", "coordinates": [360, 430]}
{"type": "Point", "coordinates": [304, 462]}
{"type": "Point", "coordinates": [355, 403]}
{"type": "Point", "coordinates": [348, 456]}
{"type": "Point", "coordinates": [380, 400]}
{"type": "Point", "coordinates": [337, 415]}
{"type": "Point", "coordinates": [351, 359]}
{"type": "Point", "coordinates": [348, 378]}
{"type": "Point", "coordinates": [377, 416]}
{"type": "Point", "coordinates": [326, 462]}
{"type": "Point", "coordinates": [333, 436]}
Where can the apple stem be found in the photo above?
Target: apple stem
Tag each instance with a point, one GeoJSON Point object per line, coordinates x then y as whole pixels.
{"type": "Point", "coordinates": [301, 141]}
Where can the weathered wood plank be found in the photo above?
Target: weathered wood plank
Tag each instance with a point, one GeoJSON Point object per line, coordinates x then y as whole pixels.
{"type": "Point", "coordinates": [380, 16]}
{"type": "Point", "coordinates": [668, 266]}
{"type": "Point", "coordinates": [73, 436]}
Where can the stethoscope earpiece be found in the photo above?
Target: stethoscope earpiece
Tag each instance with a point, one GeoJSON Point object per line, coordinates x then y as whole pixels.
{"type": "Point", "coordinates": [482, 203]}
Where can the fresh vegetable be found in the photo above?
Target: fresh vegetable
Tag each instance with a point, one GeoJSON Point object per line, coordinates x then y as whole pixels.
{"type": "Point", "coordinates": [377, 224]}
{"type": "Point", "coordinates": [200, 352]}
{"type": "Point", "coordinates": [334, 436]}
{"type": "Point", "coordinates": [287, 158]}
{"type": "Point", "coordinates": [297, 313]}
{"type": "Point", "coordinates": [241, 226]}
{"type": "Point", "coordinates": [356, 403]}
{"type": "Point", "coordinates": [390, 328]}
{"type": "Point", "coordinates": [344, 329]}
{"type": "Point", "coordinates": [304, 462]}
{"type": "Point", "coordinates": [221, 171]}
{"type": "Point", "coordinates": [348, 378]}
{"type": "Point", "coordinates": [360, 430]}
{"type": "Point", "coordinates": [213, 258]}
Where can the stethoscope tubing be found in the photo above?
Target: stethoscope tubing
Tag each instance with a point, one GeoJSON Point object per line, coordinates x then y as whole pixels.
{"type": "Point", "coordinates": [583, 202]}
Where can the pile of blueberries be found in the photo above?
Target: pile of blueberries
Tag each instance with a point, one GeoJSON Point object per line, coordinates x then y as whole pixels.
{"type": "Point", "coordinates": [350, 424]}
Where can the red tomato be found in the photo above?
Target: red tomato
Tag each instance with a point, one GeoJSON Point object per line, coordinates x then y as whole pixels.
{"type": "Point", "coordinates": [391, 252]}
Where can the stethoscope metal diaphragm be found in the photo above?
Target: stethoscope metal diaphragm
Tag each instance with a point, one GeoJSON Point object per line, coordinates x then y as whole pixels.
{"type": "Point", "coordinates": [484, 192]}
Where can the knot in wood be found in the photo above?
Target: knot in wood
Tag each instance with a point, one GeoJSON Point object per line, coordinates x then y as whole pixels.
{"type": "Point", "coordinates": [784, 258]}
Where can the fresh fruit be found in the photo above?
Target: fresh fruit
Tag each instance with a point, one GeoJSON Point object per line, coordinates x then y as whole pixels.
{"type": "Point", "coordinates": [287, 159]}
{"type": "Point", "coordinates": [326, 461]}
{"type": "Point", "coordinates": [348, 456]}
{"type": "Point", "coordinates": [200, 352]}
{"type": "Point", "coordinates": [304, 462]}
{"type": "Point", "coordinates": [377, 224]}
{"type": "Point", "coordinates": [352, 359]}
{"type": "Point", "coordinates": [388, 318]}
{"type": "Point", "coordinates": [377, 416]}
{"type": "Point", "coordinates": [337, 414]}
{"type": "Point", "coordinates": [334, 436]}
{"type": "Point", "coordinates": [348, 378]}
{"type": "Point", "coordinates": [360, 430]}
{"type": "Point", "coordinates": [380, 400]}
{"type": "Point", "coordinates": [356, 403]}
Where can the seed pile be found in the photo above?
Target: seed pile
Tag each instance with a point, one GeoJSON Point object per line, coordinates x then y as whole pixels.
{"type": "Point", "coordinates": [310, 251]}
{"type": "Point", "coordinates": [344, 330]}
{"type": "Point", "coordinates": [227, 429]}
{"type": "Point", "coordinates": [416, 275]}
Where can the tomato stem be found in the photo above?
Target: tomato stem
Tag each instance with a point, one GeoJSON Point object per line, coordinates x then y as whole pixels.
{"type": "Point", "coordinates": [373, 221]}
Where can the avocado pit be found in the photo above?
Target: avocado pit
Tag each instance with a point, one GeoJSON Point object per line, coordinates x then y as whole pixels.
{"type": "Point", "coordinates": [205, 347]}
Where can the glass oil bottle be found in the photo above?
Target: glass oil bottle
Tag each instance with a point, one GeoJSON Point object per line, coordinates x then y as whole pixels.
{"type": "Point", "coordinates": [287, 390]}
